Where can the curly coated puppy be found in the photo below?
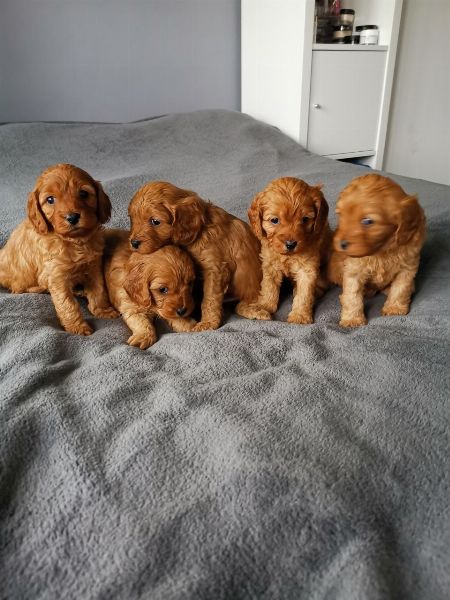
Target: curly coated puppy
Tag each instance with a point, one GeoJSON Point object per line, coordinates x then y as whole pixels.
{"type": "Point", "coordinates": [222, 246]}
{"type": "Point", "coordinates": [59, 246]}
{"type": "Point", "coordinates": [142, 287]}
{"type": "Point", "coordinates": [290, 218]}
{"type": "Point", "coordinates": [377, 246]}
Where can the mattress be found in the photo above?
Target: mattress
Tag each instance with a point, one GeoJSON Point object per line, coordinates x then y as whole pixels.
{"type": "Point", "coordinates": [261, 460]}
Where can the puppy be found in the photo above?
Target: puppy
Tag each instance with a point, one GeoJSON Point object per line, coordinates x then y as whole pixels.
{"type": "Point", "coordinates": [377, 244]}
{"type": "Point", "coordinates": [144, 286]}
{"type": "Point", "coordinates": [223, 246]}
{"type": "Point", "coordinates": [290, 218]}
{"type": "Point", "coordinates": [59, 245]}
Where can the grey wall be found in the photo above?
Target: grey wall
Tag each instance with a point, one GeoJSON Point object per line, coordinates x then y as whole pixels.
{"type": "Point", "coordinates": [419, 124]}
{"type": "Point", "coordinates": [117, 60]}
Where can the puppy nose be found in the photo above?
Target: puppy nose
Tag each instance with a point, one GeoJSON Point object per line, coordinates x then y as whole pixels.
{"type": "Point", "coordinates": [343, 244]}
{"type": "Point", "coordinates": [73, 218]}
{"type": "Point", "coordinates": [290, 244]}
{"type": "Point", "coordinates": [181, 311]}
{"type": "Point", "coordinates": [135, 243]}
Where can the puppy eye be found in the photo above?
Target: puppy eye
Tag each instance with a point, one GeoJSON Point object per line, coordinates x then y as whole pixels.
{"type": "Point", "coordinates": [51, 200]}
{"type": "Point", "coordinates": [84, 194]}
{"type": "Point", "coordinates": [367, 221]}
{"type": "Point", "coordinates": [163, 290]}
{"type": "Point", "coordinates": [305, 219]}
{"type": "Point", "coordinates": [154, 222]}
{"type": "Point", "coordinates": [275, 220]}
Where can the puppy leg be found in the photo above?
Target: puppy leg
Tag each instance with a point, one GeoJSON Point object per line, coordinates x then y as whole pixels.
{"type": "Point", "coordinates": [182, 325]}
{"type": "Point", "coordinates": [5, 270]}
{"type": "Point", "coordinates": [399, 294]}
{"type": "Point", "coordinates": [245, 286]}
{"type": "Point", "coordinates": [97, 297]}
{"type": "Point", "coordinates": [352, 301]}
{"type": "Point", "coordinates": [142, 329]}
{"type": "Point", "coordinates": [302, 306]}
{"type": "Point", "coordinates": [214, 286]}
{"type": "Point", "coordinates": [269, 296]}
{"type": "Point", "coordinates": [67, 308]}
{"type": "Point", "coordinates": [322, 285]}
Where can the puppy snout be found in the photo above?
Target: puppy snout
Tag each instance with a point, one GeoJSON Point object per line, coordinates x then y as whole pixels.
{"type": "Point", "coordinates": [343, 244]}
{"type": "Point", "coordinates": [73, 218]}
{"type": "Point", "coordinates": [135, 243]}
{"type": "Point", "coordinates": [181, 311]}
{"type": "Point", "coordinates": [290, 244]}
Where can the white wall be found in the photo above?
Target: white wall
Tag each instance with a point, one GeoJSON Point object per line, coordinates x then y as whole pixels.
{"type": "Point", "coordinates": [117, 60]}
{"type": "Point", "coordinates": [418, 141]}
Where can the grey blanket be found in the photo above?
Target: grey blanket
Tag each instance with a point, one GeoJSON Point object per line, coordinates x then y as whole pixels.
{"type": "Point", "coordinates": [262, 460]}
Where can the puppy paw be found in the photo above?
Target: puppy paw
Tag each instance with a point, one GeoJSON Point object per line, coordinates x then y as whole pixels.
{"type": "Point", "coordinates": [394, 309]}
{"type": "Point", "coordinates": [353, 322]}
{"type": "Point", "coordinates": [142, 340]}
{"type": "Point", "coordinates": [182, 325]}
{"type": "Point", "coordinates": [105, 312]}
{"type": "Point", "coordinates": [255, 312]}
{"type": "Point", "coordinates": [300, 318]}
{"type": "Point", "coordinates": [82, 328]}
{"type": "Point", "coordinates": [206, 326]}
{"type": "Point", "coordinates": [189, 324]}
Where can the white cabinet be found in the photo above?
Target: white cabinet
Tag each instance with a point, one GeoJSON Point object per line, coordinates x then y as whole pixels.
{"type": "Point", "coordinates": [333, 99]}
{"type": "Point", "coordinates": [345, 100]}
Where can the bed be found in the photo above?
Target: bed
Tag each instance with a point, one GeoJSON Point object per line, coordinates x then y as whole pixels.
{"type": "Point", "coordinates": [261, 460]}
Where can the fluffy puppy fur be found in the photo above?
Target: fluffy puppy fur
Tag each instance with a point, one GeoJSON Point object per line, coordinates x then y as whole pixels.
{"type": "Point", "coordinates": [223, 246]}
{"type": "Point", "coordinates": [376, 246]}
{"type": "Point", "coordinates": [59, 245]}
{"type": "Point", "coordinates": [142, 287]}
{"type": "Point", "coordinates": [290, 218]}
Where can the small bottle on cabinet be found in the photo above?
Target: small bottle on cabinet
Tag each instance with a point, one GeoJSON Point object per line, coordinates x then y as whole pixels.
{"type": "Point", "coordinates": [342, 34]}
{"type": "Point", "coordinates": [347, 16]}
{"type": "Point", "coordinates": [368, 34]}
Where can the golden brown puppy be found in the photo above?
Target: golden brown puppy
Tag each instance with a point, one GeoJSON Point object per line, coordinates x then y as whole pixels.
{"type": "Point", "coordinates": [222, 245]}
{"type": "Point", "coordinates": [60, 245]}
{"type": "Point", "coordinates": [142, 287]}
{"type": "Point", "coordinates": [290, 218]}
{"type": "Point", "coordinates": [377, 244]}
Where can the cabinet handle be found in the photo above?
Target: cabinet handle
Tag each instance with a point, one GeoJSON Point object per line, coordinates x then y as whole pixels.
{"type": "Point", "coordinates": [317, 106]}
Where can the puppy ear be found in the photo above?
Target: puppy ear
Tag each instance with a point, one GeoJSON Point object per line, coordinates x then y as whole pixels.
{"type": "Point", "coordinates": [410, 216]}
{"type": "Point", "coordinates": [136, 284]}
{"type": "Point", "coordinates": [103, 203]}
{"type": "Point", "coordinates": [35, 213]}
{"type": "Point", "coordinates": [321, 210]}
{"type": "Point", "coordinates": [188, 219]}
{"type": "Point", "coordinates": [255, 216]}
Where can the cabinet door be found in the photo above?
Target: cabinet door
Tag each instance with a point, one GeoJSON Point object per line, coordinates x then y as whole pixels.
{"type": "Point", "coordinates": [345, 101]}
